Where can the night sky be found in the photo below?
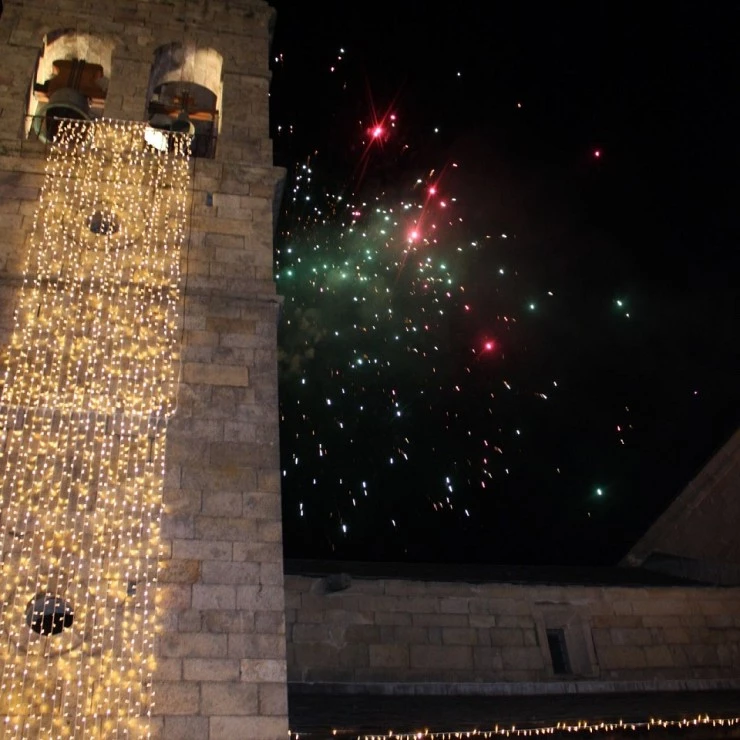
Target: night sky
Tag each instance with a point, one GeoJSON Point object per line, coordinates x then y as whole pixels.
{"type": "Point", "coordinates": [508, 247]}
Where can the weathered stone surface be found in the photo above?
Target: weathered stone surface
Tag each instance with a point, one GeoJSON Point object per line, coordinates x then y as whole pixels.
{"type": "Point", "coordinates": [179, 697]}
{"type": "Point", "coordinates": [230, 699]}
{"type": "Point", "coordinates": [264, 728]}
{"type": "Point", "coordinates": [412, 631]}
{"type": "Point", "coordinates": [179, 571]}
{"type": "Point", "coordinates": [206, 373]}
{"type": "Point", "coordinates": [185, 728]}
{"type": "Point", "coordinates": [210, 669]}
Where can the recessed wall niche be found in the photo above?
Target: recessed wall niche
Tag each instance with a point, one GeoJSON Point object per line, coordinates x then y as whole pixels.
{"type": "Point", "coordinates": [70, 80]}
{"type": "Point", "coordinates": [184, 94]}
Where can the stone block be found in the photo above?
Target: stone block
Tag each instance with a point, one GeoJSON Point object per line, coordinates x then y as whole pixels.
{"type": "Point", "coordinates": [392, 618]}
{"type": "Point", "coordinates": [607, 620]}
{"type": "Point", "coordinates": [201, 549]}
{"type": "Point", "coordinates": [268, 481]}
{"type": "Point", "coordinates": [410, 635]}
{"type": "Point", "coordinates": [310, 632]}
{"type": "Point", "coordinates": [227, 201]}
{"type": "Point", "coordinates": [256, 646]}
{"type": "Point", "coordinates": [201, 430]}
{"type": "Point", "coordinates": [270, 623]}
{"type": "Point", "coordinates": [522, 658]}
{"type": "Point", "coordinates": [237, 455]}
{"type": "Point", "coordinates": [229, 621]}
{"type": "Point", "coordinates": [459, 636]}
{"type": "Point", "coordinates": [499, 606]}
{"type": "Point", "coordinates": [720, 621]}
{"type": "Point", "coordinates": [667, 606]}
{"type": "Point", "coordinates": [639, 636]}
{"type": "Point", "coordinates": [218, 698]}
{"type": "Point", "coordinates": [702, 655]}
{"type": "Point", "coordinates": [237, 356]}
{"type": "Point", "coordinates": [212, 596]}
{"type": "Point", "coordinates": [168, 669]}
{"type": "Point", "coordinates": [693, 620]}
{"type": "Point", "coordinates": [271, 574]}
{"type": "Point", "coordinates": [239, 431]}
{"type": "Point", "coordinates": [240, 341]}
{"type": "Point", "coordinates": [507, 637]}
{"type": "Point", "coordinates": [262, 552]}
{"type": "Point", "coordinates": [620, 657]}
{"type": "Point", "coordinates": [222, 503]}
{"type": "Point", "coordinates": [176, 697]}
{"type": "Point", "coordinates": [264, 728]}
{"type": "Point", "coordinates": [218, 479]}
{"type": "Point", "coordinates": [230, 573]}
{"type": "Point", "coordinates": [273, 699]}
{"type": "Point", "coordinates": [197, 355]}
{"type": "Point", "coordinates": [185, 728]}
{"type": "Point", "coordinates": [173, 597]}
{"type": "Point", "coordinates": [658, 656]}
{"type": "Point", "coordinates": [676, 635]}
{"type": "Point", "coordinates": [195, 338]}
{"type": "Point", "coordinates": [178, 571]}
{"type": "Point", "coordinates": [177, 525]}
{"type": "Point", "coordinates": [515, 621]}
{"type": "Point", "coordinates": [434, 657]}
{"type": "Point", "coordinates": [229, 375]}
{"type": "Point", "coordinates": [348, 616]}
{"type": "Point", "coordinates": [210, 669]}
{"type": "Point", "coordinates": [264, 598]}
{"type": "Point", "coordinates": [192, 645]}
{"type": "Point", "coordinates": [488, 658]}
{"type": "Point", "coordinates": [423, 619]}
{"type": "Point", "coordinates": [227, 325]}
{"type": "Point", "coordinates": [268, 531]}
{"type": "Point", "coordinates": [712, 607]}
{"type": "Point", "coordinates": [262, 505]}
{"type": "Point", "coordinates": [263, 671]}
{"type": "Point", "coordinates": [224, 528]}
{"type": "Point", "coordinates": [452, 605]}
{"type": "Point", "coordinates": [389, 656]}
{"type": "Point", "coordinates": [190, 620]}
{"type": "Point", "coordinates": [365, 633]}
{"type": "Point", "coordinates": [180, 502]}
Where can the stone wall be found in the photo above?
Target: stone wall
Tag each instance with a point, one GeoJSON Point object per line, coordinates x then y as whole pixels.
{"type": "Point", "coordinates": [413, 632]}
{"type": "Point", "coordinates": [221, 670]}
{"type": "Point", "coordinates": [698, 526]}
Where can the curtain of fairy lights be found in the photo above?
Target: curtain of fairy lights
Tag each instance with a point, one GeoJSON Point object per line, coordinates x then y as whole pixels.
{"type": "Point", "coordinates": [89, 386]}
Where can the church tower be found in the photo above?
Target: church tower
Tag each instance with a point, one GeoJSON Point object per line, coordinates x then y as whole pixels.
{"type": "Point", "coordinates": [141, 580]}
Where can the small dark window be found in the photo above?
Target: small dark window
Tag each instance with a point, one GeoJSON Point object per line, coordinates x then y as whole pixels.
{"type": "Point", "coordinates": [558, 651]}
{"type": "Point", "coordinates": [48, 615]}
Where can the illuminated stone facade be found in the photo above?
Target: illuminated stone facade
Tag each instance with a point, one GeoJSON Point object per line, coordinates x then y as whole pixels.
{"type": "Point", "coordinates": [138, 318]}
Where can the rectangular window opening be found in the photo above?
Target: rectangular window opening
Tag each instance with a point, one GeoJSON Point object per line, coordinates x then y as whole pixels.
{"type": "Point", "coordinates": [558, 652]}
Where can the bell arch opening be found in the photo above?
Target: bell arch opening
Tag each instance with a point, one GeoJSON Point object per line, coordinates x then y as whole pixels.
{"type": "Point", "coordinates": [70, 80]}
{"type": "Point", "coordinates": [184, 94]}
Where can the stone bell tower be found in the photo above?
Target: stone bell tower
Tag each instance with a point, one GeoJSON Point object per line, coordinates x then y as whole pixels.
{"type": "Point", "coordinates": [141, 580]}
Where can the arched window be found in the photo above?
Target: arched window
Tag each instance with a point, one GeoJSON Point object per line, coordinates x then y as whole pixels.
{"type": "Point", "coordinates": [70, 81]}
{"type": "Point", "coordinates": [184, 95]}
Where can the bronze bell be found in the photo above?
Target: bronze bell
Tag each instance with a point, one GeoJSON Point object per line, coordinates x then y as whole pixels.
{"type": "Point", "coordinates": [63, 103]}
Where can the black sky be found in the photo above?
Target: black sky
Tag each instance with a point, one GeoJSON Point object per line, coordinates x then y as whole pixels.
{"type": "Point", "coordinates": [654, 88]}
